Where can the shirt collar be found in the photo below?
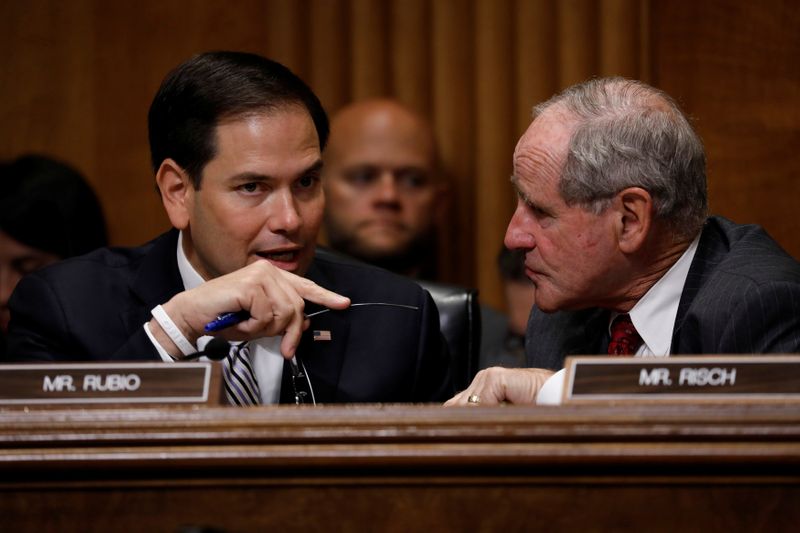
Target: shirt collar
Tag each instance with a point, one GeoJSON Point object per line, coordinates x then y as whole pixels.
{"type": "Point", "coordinates": [190, 277]}
{"type": "Point", "coordinates": [654, 314]}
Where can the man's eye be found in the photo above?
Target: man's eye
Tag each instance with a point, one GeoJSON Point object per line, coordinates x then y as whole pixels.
{"type": "Point", "coordinates": [249, 187]}
{"type": "Point", "coordinates": [536, 210]}
{"type": "Point", "coordinates": [361, 177]}
{"type": "Point", "coordinates": [413, 179]}
{"type": "Point", "coordinates": [308, 182]}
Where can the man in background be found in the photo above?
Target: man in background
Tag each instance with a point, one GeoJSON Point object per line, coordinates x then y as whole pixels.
{"type": "Point", "coordinates": [383, 189]}
{"type": "Point", "coordinates": [48, 212]}
{"type": "Point", "coordinates": [612, 218]}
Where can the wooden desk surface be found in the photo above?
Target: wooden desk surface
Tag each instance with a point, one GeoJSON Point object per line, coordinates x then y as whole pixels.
{"type": "Point", "coordinates": [733, 467]}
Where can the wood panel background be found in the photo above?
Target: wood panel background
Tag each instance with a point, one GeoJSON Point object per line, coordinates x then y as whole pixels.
{"type": "Point", "coordinates": [77, 79]}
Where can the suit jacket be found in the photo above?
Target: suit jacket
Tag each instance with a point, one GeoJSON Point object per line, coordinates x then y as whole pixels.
{"type": "Point", "coordinates": [93, 308]}
{"type": "Point", "coordinates": [742, 295]}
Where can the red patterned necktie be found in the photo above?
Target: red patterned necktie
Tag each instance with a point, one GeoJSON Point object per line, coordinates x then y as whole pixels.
{"type": "Point", "coordinates": [625, 340]}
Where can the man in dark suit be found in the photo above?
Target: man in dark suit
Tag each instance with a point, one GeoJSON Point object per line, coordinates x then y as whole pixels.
{"type": "Point", "coordinates": [612, 215]}
{"type": "Point", "coordinates": [236, 143]}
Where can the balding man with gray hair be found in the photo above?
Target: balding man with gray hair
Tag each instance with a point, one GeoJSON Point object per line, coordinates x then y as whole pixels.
{"type": "Point", "coordinates": [612, 217]}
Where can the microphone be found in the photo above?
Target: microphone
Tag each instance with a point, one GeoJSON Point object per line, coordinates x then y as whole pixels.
{"type": "Point", "coordinates": [217, 349]}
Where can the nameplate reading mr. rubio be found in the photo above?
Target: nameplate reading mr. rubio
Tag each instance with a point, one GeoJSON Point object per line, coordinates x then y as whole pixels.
{"type": "Point", "coordinates": [690, 378]}
{"type": "Point", "coordinates": [85, 384]}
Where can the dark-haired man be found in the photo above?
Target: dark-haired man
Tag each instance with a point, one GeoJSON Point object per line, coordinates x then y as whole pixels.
{"type": "Point", "coordinates": [612, 218]}
{"type": "Point", "coordinates": [236, 143]}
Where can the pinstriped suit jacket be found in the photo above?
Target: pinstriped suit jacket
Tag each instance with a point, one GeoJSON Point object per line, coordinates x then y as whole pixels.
{"type": "Point", "coordinates": [742, 295]}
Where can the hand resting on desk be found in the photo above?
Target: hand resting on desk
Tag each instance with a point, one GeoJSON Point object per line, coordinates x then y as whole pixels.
{"type": "Point", "coordinates": [495, 385]}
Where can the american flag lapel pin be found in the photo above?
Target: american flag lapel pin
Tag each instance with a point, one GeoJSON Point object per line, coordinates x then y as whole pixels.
{"type": "Point", "coordinates": [322, 335]}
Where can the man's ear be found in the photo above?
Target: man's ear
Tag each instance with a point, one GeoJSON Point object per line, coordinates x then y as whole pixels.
{"type": "Point", "coordinates": [635, 208]}
{"type": "Point", "coordinates": [176, 190]}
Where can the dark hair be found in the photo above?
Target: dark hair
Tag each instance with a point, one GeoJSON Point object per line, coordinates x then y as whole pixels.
{"type": "Point", "coordinates": [215, 86]}
{"type": "Point", "coordinates": [48, 205]}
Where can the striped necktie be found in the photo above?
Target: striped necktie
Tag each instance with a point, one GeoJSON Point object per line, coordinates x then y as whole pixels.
{"type": "Point", "coordinates": [241, 386]}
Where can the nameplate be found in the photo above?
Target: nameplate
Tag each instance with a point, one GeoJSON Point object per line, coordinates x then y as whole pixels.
{"type": "Point", "coordinates": [86, 384]}
{"type": "Point", "coordinates": [683, 378]}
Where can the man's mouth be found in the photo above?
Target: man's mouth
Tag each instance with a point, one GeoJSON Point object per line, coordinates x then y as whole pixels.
{"type": "Point", "coordinates": [531, 274]}
{"type": "Point", "coordinates": [281, 256]}
{"type": "Point", "coordinates": [384, 224]}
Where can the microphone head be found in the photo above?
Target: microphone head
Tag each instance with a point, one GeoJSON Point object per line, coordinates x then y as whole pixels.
{"type": "Point", "coordinates": [216, 349]}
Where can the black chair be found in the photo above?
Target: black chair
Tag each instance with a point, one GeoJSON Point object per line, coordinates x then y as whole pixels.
{"type": "Point", "coordinates": [460, 322]}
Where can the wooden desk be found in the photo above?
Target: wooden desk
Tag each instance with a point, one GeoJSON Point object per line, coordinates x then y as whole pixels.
{"type": "Point", "coordinates": [402, 468]}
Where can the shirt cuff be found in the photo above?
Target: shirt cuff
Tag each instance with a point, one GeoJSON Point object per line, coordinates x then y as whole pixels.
{"type": "Point", "coordinates": [552, 390]}
{"type": "Point", "coordinates": [161, 351]}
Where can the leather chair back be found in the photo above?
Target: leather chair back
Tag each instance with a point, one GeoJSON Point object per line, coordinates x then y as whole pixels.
{"type": "Point", "coordinates": [460, 322]}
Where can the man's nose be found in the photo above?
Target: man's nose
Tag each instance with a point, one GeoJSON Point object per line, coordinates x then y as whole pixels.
{"type": "Point", "coordinates": [519, 234]}
{"type": "Point", "coordinates": [283, 215]}
{"type": "Point", "coordinates": [387, 191]}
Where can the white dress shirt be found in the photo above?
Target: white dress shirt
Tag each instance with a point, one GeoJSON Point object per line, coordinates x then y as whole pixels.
{"type": "Point", "coordinates": [653, 316]}
{"type": "Point", "coordinates": [265, 352]}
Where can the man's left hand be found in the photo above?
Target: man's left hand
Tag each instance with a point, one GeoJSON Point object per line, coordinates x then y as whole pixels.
{"type": "Point", "coordinates": [495, 385]}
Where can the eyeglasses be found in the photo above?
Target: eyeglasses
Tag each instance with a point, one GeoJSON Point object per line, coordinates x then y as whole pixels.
{"type": "Point", "coordinates": [362, 304]}
{"type": "Point", "coordinates": [301, 384]}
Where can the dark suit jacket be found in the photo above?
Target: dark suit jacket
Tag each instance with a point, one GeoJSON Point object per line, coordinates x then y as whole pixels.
{"type": "Point", "coordinates": [742, 295]}
{"type": "Point", "coordinates": [93, 308]}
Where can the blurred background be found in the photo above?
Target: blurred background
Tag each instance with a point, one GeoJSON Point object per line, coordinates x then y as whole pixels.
{"type": "Point", "coordinates": [78, 77]}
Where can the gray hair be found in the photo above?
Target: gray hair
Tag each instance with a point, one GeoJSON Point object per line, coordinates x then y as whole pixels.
{"type": "Point", "coordinates": [632, 135]}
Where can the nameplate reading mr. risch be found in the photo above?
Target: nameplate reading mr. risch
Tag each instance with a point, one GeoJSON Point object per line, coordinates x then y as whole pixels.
{"type": "Point", "coordinates": [106, 383]}
{"type": "Point", "coordinates": [693, 378]}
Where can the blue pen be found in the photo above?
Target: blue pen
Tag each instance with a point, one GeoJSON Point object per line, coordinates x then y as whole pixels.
{"type": "Point", "coordinates": [226, 320]}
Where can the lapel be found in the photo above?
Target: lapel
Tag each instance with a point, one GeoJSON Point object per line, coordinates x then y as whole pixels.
{"type": "Point", "coordinates": [552, 337]}
{"type": "Point", "coordinates": [156, 280]}
{"type": "Point", "coordinates": [595, 334]}
{"type": "Point", "coordinates": [587, 334]}
{"type": "Point", "coordinates": [710, 252]}
{"type": "Point", "coordinates": [323, 358]}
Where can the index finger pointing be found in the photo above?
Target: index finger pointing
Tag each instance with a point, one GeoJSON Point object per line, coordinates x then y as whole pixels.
{"type": "Point", "coordinates": [308, 290]}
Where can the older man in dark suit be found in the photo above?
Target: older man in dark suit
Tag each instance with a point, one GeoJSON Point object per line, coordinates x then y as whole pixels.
{"type": "Point", "coordinates": [612, 215]}
{"type": "Point", "coordinates": [236, 143]}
